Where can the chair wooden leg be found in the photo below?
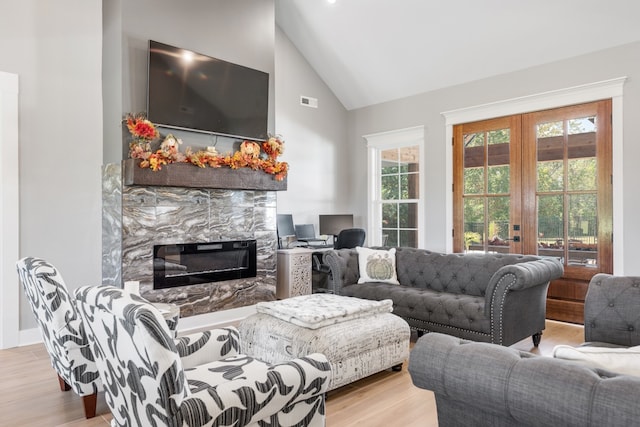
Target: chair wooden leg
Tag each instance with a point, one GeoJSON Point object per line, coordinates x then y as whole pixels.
{"type": "Point", "coordinates": [63, 384]}
{"type": "Point", "coordinates": [89, 402]}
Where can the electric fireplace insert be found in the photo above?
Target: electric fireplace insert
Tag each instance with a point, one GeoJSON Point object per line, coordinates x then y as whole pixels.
{"type": "Point", "coordinates": [193, 263]}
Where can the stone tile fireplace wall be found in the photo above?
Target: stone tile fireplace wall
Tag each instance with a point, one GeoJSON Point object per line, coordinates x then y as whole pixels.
{"type": "Point", "coordinates": [137, 217]}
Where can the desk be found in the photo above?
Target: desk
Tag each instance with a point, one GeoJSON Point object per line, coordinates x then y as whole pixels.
{"type": "Point", "coordinates": [293, 272]}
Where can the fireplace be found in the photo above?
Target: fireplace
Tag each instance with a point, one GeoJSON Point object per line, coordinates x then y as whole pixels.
{"type": "Point", "coordinates": [193, 263]}
{"type": "Point", "coordinates": [138, 217]}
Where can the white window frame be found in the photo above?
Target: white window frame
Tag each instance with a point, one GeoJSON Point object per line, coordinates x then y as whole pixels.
{"type": "Point", "coordinates": [376, 143]}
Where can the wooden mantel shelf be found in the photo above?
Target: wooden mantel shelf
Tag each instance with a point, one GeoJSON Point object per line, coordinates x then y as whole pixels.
{"type": "Point", "coordinates": [190, 176]}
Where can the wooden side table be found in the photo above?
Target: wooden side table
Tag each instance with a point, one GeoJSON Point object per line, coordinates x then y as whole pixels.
{"type": "Point", "coordinates": [294, 272]}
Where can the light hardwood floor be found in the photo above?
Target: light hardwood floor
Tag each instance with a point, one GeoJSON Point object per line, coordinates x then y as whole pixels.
{"type": "Point", "coordinates": [30, 395]}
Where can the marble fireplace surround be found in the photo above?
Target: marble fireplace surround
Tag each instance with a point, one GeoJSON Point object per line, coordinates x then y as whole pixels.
{"type": "Point", "coordinates": [135, 217]}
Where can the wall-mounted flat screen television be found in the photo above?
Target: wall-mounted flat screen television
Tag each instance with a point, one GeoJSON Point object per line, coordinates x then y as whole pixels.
{"type": "Point", "coordinates": [188, 90]}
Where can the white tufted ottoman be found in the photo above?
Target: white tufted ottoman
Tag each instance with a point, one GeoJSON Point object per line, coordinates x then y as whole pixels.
{"type": "Point", "coordinates": [359, 337]}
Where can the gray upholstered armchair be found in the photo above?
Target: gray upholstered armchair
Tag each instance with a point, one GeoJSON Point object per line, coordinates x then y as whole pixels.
{"type": "Point", "coordinates": [612, 310]}
{"type": "Point", "coordinates": [196, 380]}
{"type": "Point", "coordinates": [482, 384]}
{"type": "Point", "coordinates": [62, 330]}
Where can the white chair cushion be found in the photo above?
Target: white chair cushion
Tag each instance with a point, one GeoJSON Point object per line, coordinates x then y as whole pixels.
{"type": "Point", "coordinates": [621, 360]}
{"type": "Point", "coordinates": [319, 310]}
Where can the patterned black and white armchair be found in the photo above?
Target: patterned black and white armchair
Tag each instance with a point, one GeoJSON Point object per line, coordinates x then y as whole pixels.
{"type": "Point", "coordinates": [195, 380]}
{"type": "Point", "coordinates": [62, 330]}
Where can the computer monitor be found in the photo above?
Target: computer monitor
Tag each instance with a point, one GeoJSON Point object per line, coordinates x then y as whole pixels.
{"type": "Point", "coordinates": [333, 224]}
{"type": "Point", "coordinates": [305, 231]}
{"type": "Point", "coordinates": [284, 222]}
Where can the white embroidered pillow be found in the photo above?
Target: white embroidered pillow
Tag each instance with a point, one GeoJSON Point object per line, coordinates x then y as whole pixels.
{"type": "Point", "coordinates": [377, 265]}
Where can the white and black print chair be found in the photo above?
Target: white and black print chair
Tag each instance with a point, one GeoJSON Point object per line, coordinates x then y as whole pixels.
{"type": "Point", "coordinates": [62, 330]}
{"type": "Point", "coordinates": [200, 380]}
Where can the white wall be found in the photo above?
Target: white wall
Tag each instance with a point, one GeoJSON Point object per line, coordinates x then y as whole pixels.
{"type": "Point", "coordinates": [425, 109]}
{"type": "Point", "coordinates": [316, 145]}
{"type": "Point", "coordinates": [55, 48]}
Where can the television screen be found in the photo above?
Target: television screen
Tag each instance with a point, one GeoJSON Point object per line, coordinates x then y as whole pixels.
{"type": "Point", "coordinates": [333, 224]}
{"type": "Point", "coordinates": [187, 90]}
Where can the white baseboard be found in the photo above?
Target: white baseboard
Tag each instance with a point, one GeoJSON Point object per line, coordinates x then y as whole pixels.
{"type": "Point", "coordinates": [29, 336]}
{"type": "Point", "coordinates": [186, 325]}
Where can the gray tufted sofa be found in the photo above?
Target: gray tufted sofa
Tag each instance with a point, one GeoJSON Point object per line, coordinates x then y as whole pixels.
{"type": "Point", "coordinates": [480, 384]}
{"type": "Point", "coordinates": [495, 298]}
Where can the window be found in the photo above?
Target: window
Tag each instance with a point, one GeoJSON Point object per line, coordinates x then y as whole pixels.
{"type": "Point", "coordinates": [394, 187]}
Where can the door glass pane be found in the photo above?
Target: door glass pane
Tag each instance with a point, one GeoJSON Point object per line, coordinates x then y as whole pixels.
{"type": "Point", "coordinates": [585, 125]}
{"type": "Point", "coordinates": [498, 179]}
{"type": "Point", "coordinates": [498, 212]}
{"type": "Point", "coordinates": [582, 174]}
{"type": "Point", "coordinates": [473, 180]}
{"type": "Point", "coordinates": [551, 225]}
{"type": "Point", "coordinates": [474, 220]}
{"type": "Point", "coordinates": [583, 230]}
{"type": "Point", "coordinates": [545, 130]}
{"type": "Point", "coordinates": [550, 176]}
{"type": "Point", "coordinates": [474, 150]}
{"type": "Point", "coordinates": [500, 136]}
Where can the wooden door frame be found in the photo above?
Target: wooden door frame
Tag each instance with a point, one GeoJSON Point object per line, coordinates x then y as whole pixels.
{"type": "Point", "coordinates": [600, 109]}
{"type": "Point", "coordinates": [514, 124]}
{"type": "Point", "coordinates": [612, 89]}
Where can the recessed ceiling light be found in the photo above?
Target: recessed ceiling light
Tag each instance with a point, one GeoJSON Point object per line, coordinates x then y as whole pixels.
{"type": "Point", "coordinates": [331, 1]}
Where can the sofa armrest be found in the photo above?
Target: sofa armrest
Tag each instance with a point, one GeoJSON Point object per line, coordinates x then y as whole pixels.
{"type": "Point", "coordinates": [208, 346]}
{"type": "Point", "coordinates": [343, 266]}
{"type": "Point", "coordinates": [519, 277]}
{"type": "Point", "coordinates": [611, 310]}
{"type": "Point", "coordinates": [265, 392]}
{"type": "Point", "coordinates": [482, 384]}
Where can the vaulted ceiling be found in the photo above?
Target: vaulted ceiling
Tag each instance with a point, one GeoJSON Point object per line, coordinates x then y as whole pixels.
{"type": "Point", "coordinates": [372, 51]}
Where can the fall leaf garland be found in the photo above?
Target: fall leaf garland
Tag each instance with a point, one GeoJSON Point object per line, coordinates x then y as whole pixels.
{"type": "Point", "coordinates": [143, 132]}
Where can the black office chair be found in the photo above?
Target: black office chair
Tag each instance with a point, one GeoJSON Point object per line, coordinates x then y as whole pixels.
{"type": "Point", "coordinates": [350, 238]}
{"type": "Point", "coordinates": [347, 239]}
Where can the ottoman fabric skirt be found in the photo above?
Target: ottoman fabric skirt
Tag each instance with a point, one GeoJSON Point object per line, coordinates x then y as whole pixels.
{"type": "Point", "coordinates": [355, 348]}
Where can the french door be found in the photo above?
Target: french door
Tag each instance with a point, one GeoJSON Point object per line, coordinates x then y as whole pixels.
{"type": "Point", "coordinates": [539, 183]}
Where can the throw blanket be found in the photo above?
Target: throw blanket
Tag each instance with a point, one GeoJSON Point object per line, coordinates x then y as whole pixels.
{"type": "Point", "coordinates": [319, 310]}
